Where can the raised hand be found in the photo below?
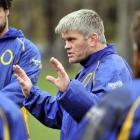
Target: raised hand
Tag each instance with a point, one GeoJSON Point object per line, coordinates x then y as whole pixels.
{"type": "Point", "coordinates": [62, 81]}
{"type": "Point", "coordinates": [23, 79]}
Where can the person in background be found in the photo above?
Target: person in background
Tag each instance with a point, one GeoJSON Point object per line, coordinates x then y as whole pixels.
{"type": "Point", "coordinates": [12, 125]}
{"type": "Point", "coordinates": [116, 117]}
{"type": "Point", "coordinates": [102, 70]}
{"type": "Point", "coordinates": [15, 48]}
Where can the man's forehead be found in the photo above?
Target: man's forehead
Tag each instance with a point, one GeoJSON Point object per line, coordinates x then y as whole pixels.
{"type": "Point", "coordinates": [71, 33]}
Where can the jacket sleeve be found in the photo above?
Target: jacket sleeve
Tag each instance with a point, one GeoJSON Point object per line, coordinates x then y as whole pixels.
{"type": "Point", "coordinates": [12, 119]}
{"type": "Point", "coordinates": [44, 107]}
{"type": "Point", "coordinates": [77, 100]}
{"type": "Point", "coordinates": [30, 61]}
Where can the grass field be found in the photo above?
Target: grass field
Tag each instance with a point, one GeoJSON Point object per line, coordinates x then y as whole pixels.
{"type": "Point", "coordinates": [37, 130]}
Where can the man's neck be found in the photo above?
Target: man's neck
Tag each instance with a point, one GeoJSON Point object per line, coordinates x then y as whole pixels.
{"type": "Point", "coordinates": [99, 47]}
{"type": "Point", "coordinates": [102, 46]}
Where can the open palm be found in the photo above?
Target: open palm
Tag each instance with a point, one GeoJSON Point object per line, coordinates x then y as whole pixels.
{"type": "Point", "coordinates": [23, 79]}
{"type": "Point", "coordinates": [62, 81]}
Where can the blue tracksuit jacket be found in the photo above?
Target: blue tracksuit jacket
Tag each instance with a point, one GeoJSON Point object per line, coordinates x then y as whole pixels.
{"type": "Point", "coordinates": [16, 49]}
{"type": "Point", "coordinates": [116, 117]}
{"type": "Point", "coordinates": [102, 71]}
{"type": "Point", "coordinates": [12, 126]}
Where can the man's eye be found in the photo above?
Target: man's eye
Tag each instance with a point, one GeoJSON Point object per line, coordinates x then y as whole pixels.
{"type": "Point", "coordinates": [71, 39]}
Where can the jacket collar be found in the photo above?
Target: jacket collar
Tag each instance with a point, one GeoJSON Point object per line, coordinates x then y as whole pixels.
{"type": "Point", "coordinates": [110, 49]}
{"type": "Point", "coordinates": [12, 33]}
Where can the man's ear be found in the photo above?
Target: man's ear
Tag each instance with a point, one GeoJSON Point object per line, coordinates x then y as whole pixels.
{"type": "Point", "coordinates": [7, 12]}
{"type": "Point", "coordinates": [94, 39]}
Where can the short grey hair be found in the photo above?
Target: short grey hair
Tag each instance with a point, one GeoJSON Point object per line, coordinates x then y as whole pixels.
{"type": "Point", "coordinates": [85, 21]}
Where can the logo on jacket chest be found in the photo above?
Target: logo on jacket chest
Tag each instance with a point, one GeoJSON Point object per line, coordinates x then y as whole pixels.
{"type": "Point", "coordinates": [6, 57]}
{"type": "Point", "coordinates": [87, 79]}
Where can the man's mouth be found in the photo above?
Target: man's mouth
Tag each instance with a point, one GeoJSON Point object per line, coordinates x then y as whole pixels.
{"type": "Point", "coordinates": [69, 54]}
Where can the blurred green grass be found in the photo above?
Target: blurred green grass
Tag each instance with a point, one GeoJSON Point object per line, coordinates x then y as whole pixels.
{"type": "Point", "coordinates": [37, 130]}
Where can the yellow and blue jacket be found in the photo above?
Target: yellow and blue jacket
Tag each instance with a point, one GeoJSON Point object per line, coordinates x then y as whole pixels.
{"type": "Point", "coordinates": [100, 72]}
{"type": "Point", "coordinates": [16, 49]}
{"type": "Point", "coordinates": [12, 126]}
{"type": "Point", "coordinates": [116, 117]}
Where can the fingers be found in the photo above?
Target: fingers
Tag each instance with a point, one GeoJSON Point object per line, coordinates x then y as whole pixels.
{"type": "Point", "coordinates": [51, 79]}
{"type": "Point", "coordinates": [23, 85]}
{"type": "Point", "coordinates": [19, 71]}
{"type": "Point", "coordinates": [23, 79]}
{"type": "Point", "coordinates": [58, 66]}
{"type": "Point", "coordinates": [20, 80]}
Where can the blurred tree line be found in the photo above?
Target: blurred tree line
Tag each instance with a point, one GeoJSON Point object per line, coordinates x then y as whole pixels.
{"type": "Point", "coordinates": [38, 18]}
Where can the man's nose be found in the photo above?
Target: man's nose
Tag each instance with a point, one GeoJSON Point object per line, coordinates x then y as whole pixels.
{"type": "Point", "coordinates": [67, 45]}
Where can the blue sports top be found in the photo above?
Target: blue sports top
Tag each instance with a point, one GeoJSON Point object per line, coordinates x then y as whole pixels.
{"type": "Point", "coordinates": [16, 49]}
{"type": "Point", "coordinates": [100, 72]}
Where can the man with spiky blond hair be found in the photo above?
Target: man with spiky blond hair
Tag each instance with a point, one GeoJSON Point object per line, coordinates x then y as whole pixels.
{"type": "Point", "coordinates": [102, 70]}
{"type": "Point", "coordinates": [117, 116]}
